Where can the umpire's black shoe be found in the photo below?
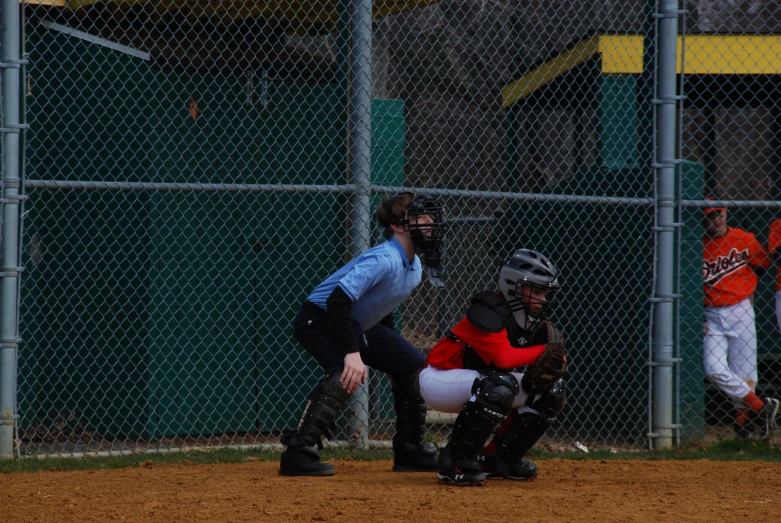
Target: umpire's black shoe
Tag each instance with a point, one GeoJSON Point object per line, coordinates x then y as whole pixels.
{"type": "Point", "coordinates": [408, 457]}
{"type": "Point", "coordinates": [302, 460]}
{"type": "Point", "coordinates": [494, 466]}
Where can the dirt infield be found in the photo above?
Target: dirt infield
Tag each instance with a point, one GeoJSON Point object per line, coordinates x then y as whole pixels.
{"type": "Point", "coordinates": [566, 491]}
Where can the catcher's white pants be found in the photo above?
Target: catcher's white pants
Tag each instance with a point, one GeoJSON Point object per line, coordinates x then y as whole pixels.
{"type": "Point", "coordinates": [778, 309]}
{"type": "Point", "coordinates": [730, 349]}
{"type": "Point", "coordinates": [448, 390]}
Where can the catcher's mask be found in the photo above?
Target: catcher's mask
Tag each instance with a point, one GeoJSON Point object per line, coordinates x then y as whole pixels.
{"type": "Point", "coordinates": [529, 281]}
{"type": "Point", "coordinates": [426, 236]}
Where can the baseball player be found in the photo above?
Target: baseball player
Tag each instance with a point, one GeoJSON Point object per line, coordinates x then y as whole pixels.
{"type": "Point", "coordinates": [774, 249]}
{"type": "Point", "coordinates": [471, 372]}
{"type": "Point", "coordinates": [347, 323]}
{"type": "Point", "coordinates": [731, 259]}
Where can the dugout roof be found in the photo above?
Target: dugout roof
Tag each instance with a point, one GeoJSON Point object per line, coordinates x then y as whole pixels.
{"type": "Point", "coordinates": [297, 12]}
{"type": "Point", "coordinates": [747, 62]}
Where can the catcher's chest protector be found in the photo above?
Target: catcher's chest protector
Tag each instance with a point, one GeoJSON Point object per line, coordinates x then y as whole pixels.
{"type": "Point", "coordinates": [490, 312]}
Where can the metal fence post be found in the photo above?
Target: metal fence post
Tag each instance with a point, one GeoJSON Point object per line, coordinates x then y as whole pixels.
{"type": "Point", "coordinates": [666, 102]}
{"type": "Point", "coordinates": [9, 255]}
{"type": "Point", "coordinates": [360, 170]}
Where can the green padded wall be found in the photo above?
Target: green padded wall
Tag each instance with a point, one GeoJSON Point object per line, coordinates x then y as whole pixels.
{"type": "Point", "coordinates": [170, 313]}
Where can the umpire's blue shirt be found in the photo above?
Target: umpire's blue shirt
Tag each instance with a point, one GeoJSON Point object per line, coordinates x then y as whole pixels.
{"type": "Point", "coordinates": [377, 281]}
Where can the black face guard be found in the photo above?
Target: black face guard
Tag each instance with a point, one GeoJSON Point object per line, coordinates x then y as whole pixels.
{"type": "Point", "coordinates": [426, 237]}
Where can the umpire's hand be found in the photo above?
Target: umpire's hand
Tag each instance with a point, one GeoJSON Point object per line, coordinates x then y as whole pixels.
{"type": "Point", "coordinates": [354, 372]}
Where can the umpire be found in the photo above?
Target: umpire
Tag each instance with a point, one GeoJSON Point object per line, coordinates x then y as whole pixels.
{"type": "Point", "coordinates": [347, 323]}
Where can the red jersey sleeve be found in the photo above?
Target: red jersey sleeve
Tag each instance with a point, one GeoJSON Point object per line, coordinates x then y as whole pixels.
{"type": "Point", "coordinates": [759, 257]}
{"type": "Point", "coordinates": [494, 347]}
{"type": "Point", "coordinates": [774, 236]}
{"type": "Point", "coordinates": [773, 244]}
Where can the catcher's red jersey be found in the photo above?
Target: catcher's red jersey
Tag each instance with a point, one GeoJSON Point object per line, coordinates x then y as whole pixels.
{"type": "Point", "coordinates": [493, 348]}
{"type": "Point", "coordinates": [773, 243]}
{"type": "Point", "coordinates": [727, 266]}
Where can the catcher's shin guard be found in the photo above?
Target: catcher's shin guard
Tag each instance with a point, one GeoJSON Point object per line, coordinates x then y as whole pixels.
{"type": "Point", "coordinates": [521, 433]}
{"type": "Point", "coordinates": [410, 452]}
{"type": "Point", "coordinates": [302, 458]}
{"type": "Point", "coordinates": [493, 398]}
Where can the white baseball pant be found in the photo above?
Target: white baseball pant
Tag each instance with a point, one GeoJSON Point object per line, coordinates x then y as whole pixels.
{"type": "Point", "coordinates": [730, 349]}
{"type": "Point", "coordinates": [448, 390]}
{"type": "Point", "coordinates": [778, 309]}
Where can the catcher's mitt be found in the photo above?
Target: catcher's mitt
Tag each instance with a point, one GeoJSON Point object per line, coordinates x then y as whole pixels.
{"type": "Point", "coordinates": [552, 364]}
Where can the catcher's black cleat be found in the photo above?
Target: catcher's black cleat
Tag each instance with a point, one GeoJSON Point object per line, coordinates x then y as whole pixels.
{"type": "Point", "coordinates": [464, 474]}
{"type": "Point", "coordinates": [415, 458]}
{"type": "Point", "coordinates": [461, 471]}
{"type": "Point", "coordinates": [523, 470]}
{"type": "Point", "coordinates": [494, 467]}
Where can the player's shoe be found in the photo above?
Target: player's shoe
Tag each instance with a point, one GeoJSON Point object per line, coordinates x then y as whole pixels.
{"type": "Point", "coordinates": [745, 430]}
{"type": "Point", "coordinates": [494, 467]}
{"type": "Point", "coordinates": [768, 417]}
{"type": "Point", "coordinates": [408, 457]}
{"type": "Point", "coordinates": [461, 472]}
{"type": "Point", "coordinates": [302, 460]}
{"type": "Point", "coordinates": [744, 423]}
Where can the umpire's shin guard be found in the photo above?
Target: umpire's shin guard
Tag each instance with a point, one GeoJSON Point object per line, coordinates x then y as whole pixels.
{"type": "Point", "coordinates": [302, 457]}
{"type": "Point", "coordinates": [410, 452]}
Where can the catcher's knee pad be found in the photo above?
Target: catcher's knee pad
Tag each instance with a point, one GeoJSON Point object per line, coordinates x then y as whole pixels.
{"type": "Point", "coordinates": [552, 401]}
{"type": "Point", "coordinates": [494, 393]}
{"type": "Point", "coordinates": [496, 389]}
{"type": "Point", "coordinates": [321, 407]}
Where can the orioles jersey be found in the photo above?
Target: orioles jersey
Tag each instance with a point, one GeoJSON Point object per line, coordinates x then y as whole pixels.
{"type": "Point", "coordinates": [774, 243]}
{"type": "Point", "coordinates": [476, 344]}
{"type": "Point", "coordinates": [728, 267]}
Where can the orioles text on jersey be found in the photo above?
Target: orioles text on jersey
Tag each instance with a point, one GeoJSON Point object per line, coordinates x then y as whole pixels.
{"type": "Point", "coordinates": [724, 265]}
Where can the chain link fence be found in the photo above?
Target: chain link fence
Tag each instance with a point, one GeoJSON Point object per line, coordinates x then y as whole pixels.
{"type": "Point", "coordinates": [194, 169]}
{"type": "Point", "coordinates": [730, 132]}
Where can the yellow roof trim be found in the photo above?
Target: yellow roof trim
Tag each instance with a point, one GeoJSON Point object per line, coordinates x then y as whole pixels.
{"type": "Point", "coordinates": [623, 54]}
{"type": "Point", "coordinates": [547, 72]}
{"type": "Point", "coordinates": [738, 54]}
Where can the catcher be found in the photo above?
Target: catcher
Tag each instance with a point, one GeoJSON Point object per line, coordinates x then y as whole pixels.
{"type": "Point", "coordinates": [471, 372]}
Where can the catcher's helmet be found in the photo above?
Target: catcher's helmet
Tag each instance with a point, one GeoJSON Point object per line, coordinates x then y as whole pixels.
{"type": "Point", "coordinates": [530, 268]}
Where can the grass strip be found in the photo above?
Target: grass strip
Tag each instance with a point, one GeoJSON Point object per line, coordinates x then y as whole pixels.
{"type": "Point", "coordinates": [727, 450]}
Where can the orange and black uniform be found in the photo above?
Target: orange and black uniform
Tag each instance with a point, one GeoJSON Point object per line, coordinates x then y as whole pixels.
{"type": "Point", "coordinates": [774, 250]}
{"type": "Point", "coordinates": [728, 267]}
{"type": "Point", "coordinates": [729, 345]}
{"type": "Point", "coordinates": [476, 345]}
